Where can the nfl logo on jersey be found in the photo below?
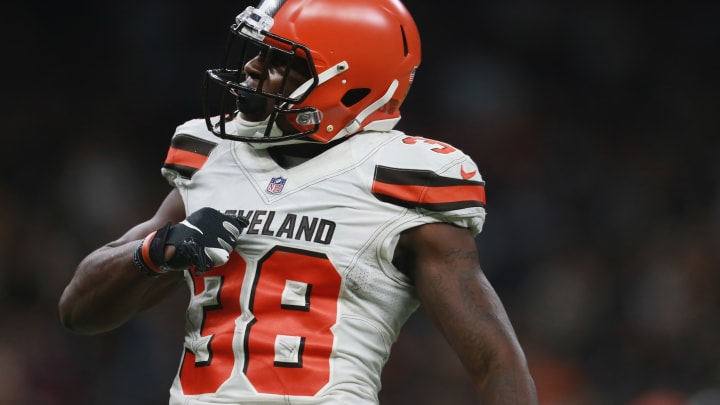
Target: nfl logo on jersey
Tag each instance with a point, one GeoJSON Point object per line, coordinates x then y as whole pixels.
{"type": "Point", "coordinates": [276, 185]}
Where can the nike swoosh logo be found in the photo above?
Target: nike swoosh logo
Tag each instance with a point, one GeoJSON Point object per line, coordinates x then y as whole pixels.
{"type": "Point", "coordinates": [466, 175]}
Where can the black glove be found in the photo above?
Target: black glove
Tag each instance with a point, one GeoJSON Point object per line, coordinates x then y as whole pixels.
{"type": "Point", "coordinates": [204, 240]}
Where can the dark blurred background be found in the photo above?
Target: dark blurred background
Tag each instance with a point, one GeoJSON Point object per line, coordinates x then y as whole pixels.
{"type": "Point", "coordinates": [595, 125]}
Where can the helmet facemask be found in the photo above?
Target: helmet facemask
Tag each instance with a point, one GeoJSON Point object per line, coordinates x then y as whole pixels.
{"type": "Point", "coordinates": [233, 93]}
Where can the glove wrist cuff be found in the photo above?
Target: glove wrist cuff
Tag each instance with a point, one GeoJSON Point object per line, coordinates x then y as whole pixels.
{"type": "Point", "coordinates": [142, 258]}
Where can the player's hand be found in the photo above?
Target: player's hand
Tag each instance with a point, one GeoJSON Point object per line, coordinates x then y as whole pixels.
{"type": "Point", "coordinates": [204, 239]}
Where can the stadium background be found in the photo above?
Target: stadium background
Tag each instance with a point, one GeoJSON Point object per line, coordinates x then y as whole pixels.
{"type": "Point", "coordinates": [595, 125]}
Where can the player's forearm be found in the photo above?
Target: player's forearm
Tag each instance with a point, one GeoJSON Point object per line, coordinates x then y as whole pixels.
{"type": "Point", "coordinates": [107, 290]}
{"type": "Point", "coordinates": [497, 364]}
{"type": "Point", "coordinates": [494, 358]}
{"type": "Point", "coordinates": [507, 381]}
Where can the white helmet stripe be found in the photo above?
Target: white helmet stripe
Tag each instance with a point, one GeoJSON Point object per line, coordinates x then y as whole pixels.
{"type": "Point", "coordinates": [322, 78]}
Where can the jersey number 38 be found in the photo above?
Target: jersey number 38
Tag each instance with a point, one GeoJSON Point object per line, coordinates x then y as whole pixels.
{"type": "Point", "coordinates": [287, 342]}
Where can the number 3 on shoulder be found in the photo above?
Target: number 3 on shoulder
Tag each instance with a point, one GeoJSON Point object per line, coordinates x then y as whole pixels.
{"type": "Point", "coordinates": [438, 147]}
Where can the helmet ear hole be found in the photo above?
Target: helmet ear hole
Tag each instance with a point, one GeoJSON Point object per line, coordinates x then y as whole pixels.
{"type": "Point", "coordinates": [353, 96]}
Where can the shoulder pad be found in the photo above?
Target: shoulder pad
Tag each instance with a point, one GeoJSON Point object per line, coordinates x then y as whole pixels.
{"type": "Point", "coordinates": [190, 147]}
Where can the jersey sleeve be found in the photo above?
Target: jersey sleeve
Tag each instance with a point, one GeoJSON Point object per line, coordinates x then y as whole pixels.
{"type": "Point", "coordinates": [434, 179]}
{"type": "Point", "coordinates": [189, 150]}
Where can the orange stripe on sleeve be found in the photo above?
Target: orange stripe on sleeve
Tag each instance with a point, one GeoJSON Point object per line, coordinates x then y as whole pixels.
{"type": "Point", "coordinates": [401, 192]}
{"type": "Point", "coordinates": [431, 195]}
{"type": "Point", "coordinates": [438, 195]}
{"type": "Point", "coordinates": [185, 158]}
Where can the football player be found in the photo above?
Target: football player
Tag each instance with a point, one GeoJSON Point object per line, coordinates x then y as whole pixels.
{"type": "Point", "coordinates": [307, 229]}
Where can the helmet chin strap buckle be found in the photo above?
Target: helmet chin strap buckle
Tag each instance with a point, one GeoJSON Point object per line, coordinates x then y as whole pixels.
{"type": "Point", "coordinates": [308, 118]}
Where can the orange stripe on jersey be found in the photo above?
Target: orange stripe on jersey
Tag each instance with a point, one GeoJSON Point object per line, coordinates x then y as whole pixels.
{"type": "Point", "coordinates": [179, 157]}
{"type": "Point", "coordinates": [431, 195]}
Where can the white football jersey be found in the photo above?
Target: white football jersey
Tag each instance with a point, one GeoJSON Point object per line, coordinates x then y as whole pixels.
{"type": "Point", "coordinates": [309, 304]}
